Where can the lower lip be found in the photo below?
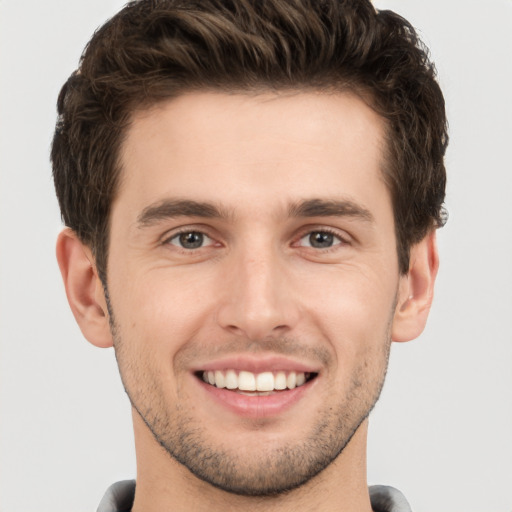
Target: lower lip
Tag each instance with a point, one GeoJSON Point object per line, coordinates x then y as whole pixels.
{"type": "Point", "coordinates": [257, 406]}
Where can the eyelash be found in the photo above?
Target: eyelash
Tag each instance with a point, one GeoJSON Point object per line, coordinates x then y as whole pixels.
{"type": "Point", "coordinates": [306, 232]}
{"type": "Point", "coordinates": [342, 240]}
{"type": "Point", "coordinates": [201, 231]}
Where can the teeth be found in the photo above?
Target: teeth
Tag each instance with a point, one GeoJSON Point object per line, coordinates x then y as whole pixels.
{"type": "Point", "coordinates": [248, 381]}
{"type": "Point", "coordinates": [231, 379]}
{"type": "Point", "coordinates": [280, 380]}
{"type": "Point", "coordinates": [220, 381]}
{"type": "Point", "coordinates": [265, 381]}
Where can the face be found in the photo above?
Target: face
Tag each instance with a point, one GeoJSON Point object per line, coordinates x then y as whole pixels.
{"type": "Point", "coordinates": [253, 280]}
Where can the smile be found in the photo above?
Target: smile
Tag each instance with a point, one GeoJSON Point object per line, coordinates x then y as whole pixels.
{"type": "Point", "coordinates": [256, 383]}
{"type": "Point", "coordinates": [256, 389]}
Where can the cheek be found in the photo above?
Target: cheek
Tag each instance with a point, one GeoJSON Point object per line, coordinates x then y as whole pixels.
{"type": "Point", "coordinates": [161, 308]}
{"type": "Point", "coordinates": [353, 308]}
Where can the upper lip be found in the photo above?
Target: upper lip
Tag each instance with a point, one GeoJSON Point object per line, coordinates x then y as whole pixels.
{"type": "Point", "coordinates": [258, 364]}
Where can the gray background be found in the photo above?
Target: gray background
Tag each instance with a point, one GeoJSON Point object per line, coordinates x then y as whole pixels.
{"type": "Point", "coordinates": [441, 432]}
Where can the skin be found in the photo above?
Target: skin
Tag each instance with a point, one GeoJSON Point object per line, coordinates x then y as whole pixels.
{"type": "Point", "coordinates": [279, 170]}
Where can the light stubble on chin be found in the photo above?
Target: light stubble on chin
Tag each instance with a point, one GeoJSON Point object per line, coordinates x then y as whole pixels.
{"type": "Point", "coordinates": [269, 472]}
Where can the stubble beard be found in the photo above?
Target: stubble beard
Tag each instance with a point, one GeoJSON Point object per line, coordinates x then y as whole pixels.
{"type": "Point", "coordinates": [266, 473]}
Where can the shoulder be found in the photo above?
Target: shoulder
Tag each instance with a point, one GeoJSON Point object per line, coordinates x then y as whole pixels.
{"type": "Point", "coordinates": [388, 499]}
{"type": "Point", "coordinates": [118, 497]}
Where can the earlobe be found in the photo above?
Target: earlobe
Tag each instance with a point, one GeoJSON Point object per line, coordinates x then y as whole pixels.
{"type": "Point", "coordinates": [84, 289]}
{"type": "Point", "coordinates": [416, 290]}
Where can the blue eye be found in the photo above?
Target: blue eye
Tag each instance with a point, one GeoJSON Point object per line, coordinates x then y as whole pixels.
{"type": "Point", "coordinates": [190, 240]}
{"type": "Point", "coordinates": [320, 240]}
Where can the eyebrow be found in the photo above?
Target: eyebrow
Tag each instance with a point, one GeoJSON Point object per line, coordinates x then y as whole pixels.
{"type": "Point", "coordinates": [173, 208]}
{"type": "Point", "coordinates": [330, 208]}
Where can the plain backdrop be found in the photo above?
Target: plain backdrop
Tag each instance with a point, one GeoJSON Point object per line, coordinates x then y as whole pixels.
{"type": "Point", "coordinates": [442, 430]}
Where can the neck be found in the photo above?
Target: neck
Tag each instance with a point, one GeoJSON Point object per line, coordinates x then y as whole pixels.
{"type": "Point", "coordinates": [164, 484]}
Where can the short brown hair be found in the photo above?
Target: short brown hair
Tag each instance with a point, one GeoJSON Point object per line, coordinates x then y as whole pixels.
{"type": "Point", "coordinates": [154, 50]}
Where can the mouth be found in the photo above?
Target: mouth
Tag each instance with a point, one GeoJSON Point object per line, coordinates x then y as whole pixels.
{"type": "Point", "coordinates": [255, 384]}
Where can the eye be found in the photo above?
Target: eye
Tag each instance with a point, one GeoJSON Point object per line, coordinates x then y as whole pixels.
{"type": "Point", "coordinates": [190, 240]}
{"type": "Point", "coordinates": [320, 240]}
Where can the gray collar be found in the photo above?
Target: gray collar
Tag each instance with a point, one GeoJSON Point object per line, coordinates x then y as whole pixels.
{"type": "Point", "coordinates": [119, 498]}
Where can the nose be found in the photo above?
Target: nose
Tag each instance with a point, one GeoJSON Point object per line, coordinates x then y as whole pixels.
{"type": "Point", "coordinates": [258, 299]}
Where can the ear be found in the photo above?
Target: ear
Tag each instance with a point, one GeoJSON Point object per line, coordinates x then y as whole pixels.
{"type": "Point", "coordinates": [416, 290]}
{"type": "Point", "coordinates": [84, 288]}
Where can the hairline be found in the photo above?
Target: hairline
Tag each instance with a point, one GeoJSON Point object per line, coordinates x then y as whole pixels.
{"type": "Point", "coordinates": [152, 102]}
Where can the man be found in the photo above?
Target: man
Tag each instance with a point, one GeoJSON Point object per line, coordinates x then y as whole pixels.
{"type": "Point", "coordinates": [251, 190]}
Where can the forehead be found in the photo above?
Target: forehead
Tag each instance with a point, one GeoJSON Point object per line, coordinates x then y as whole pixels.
{"type": "Point", "coordinates": [246, 150]}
